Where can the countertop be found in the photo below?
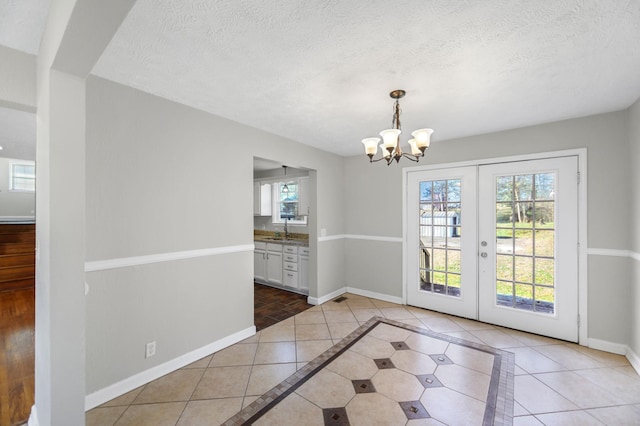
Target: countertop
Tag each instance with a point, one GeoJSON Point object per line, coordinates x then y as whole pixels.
{"type": "Point", "coordinates": [273, 237]}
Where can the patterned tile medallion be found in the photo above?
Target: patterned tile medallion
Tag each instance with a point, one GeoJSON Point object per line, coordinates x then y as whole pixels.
{"type": "Point", "coordinates": [396, 392]}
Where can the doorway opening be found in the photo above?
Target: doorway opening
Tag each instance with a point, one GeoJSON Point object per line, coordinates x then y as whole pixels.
{"type": "Point", "coordinates": [17, 264]}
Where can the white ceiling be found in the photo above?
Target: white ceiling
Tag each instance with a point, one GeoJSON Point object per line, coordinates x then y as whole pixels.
{"type": "Point", "coordinates": [320, 71]}
{"type": "Point", "coordinates": [22, 23]}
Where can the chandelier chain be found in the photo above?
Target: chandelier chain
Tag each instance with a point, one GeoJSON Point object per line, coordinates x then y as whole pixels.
{"type": "Point", "coordinates": [395, 121]}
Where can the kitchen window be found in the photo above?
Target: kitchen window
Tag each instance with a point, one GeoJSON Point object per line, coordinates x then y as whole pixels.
{"type": "Point", "coordinates": [287, 203]}
{"type": "Point", "coordinates": [22, 177]}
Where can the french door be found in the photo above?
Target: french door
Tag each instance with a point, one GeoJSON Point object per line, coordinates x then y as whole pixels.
{"type": "Point", "coordinates": [497, 243]}
{"type": "Point", "coordinates": [442, 209]}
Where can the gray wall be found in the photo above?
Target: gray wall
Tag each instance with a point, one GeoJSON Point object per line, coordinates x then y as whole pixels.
{"type": "Point", "coordinates": [17, 79]}
{"type": "Point", "coordinates": [155, 185]}
{"type": "Point", "coordinates": [14, 204]}
{"type": "Point", "coordinates": [634, 234]}
{"type": "Point", "coordinates": [374, 207]}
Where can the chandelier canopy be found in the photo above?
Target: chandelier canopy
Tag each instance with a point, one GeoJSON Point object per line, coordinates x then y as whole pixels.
{"type": "Point", "coordinates": [390, 147]}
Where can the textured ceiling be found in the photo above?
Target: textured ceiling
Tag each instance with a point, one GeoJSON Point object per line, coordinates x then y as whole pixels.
{"type": "Point", "coordinates": [17, 134]}
{"type": "Point", "coordinates": [320, 71]}
{"type": "Point", "coordinates": [22, 23]}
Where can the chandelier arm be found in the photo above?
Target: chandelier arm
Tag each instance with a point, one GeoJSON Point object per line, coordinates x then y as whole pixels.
{"type": "Point", "coordinates": [411, 157]}
{"type": "Point", "coordinates": [371, 160]}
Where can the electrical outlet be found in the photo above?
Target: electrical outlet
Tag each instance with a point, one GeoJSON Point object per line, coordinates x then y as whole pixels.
{"type": "Point", "coordinates": [150, 349]}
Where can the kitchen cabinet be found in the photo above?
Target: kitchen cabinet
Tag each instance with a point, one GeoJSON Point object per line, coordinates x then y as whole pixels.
{"type": "Point", "coordinates": [290, 267]}
{"type": "Point", "coordinates": [260, 262]}
{"type": "Point", "coordinates": [274, 263]}
{"type": "Point", "coordinates": [303, 269]}
{"type": "Point", "coordinates": [261, 199]}
{"type": "Point", "coordinates": [267, 263]}
{"type": "Point", "coordinates": [282, 265]}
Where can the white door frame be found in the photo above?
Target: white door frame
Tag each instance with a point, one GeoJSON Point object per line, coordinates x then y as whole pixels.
{"type": "Point", "coordinates": [583, 283]}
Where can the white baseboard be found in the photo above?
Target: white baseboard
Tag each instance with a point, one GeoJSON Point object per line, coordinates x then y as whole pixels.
{"type": "Point", "coordinates": [19, 219]}
{"type": "Point", "coordinates": [373, 295]}
{"type": "Point", "coordinates": [603, 345]}
{"type": "Point", "coordinates": [130, 383]}
{"type": "Point", "coordinates": [322, 299]}
{"type": "Point", "coordinates": [634, 359]}
{"type": "Point", "coordinates": [33, 417]}
{"type": "Point", "coordinates": [359, 292]}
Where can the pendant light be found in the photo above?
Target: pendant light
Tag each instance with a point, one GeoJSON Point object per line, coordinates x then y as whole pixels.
{"type": "Point", "coordinates": [285, 188]}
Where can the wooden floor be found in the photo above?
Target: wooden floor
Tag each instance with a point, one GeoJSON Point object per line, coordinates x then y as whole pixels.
{"type": "Point", "coordinates": [272, 305]}
{"type": "Point", "coordinates": [17, 331]}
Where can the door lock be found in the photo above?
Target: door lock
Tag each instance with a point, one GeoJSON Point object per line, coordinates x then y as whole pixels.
{"type": "Point", "coordinates": [483, 244]}
{"type": "Point", "coordinates": [483, 254]}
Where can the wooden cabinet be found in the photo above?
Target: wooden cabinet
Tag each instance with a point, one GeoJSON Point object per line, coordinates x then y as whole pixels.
{"type": "Point", "coordinates": [261, 199]}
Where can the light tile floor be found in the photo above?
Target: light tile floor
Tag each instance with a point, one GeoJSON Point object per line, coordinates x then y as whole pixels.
{"type": "Point", "coordinates": [556, 383]}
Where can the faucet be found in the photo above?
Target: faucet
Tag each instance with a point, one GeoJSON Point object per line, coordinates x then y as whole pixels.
{"type": "Point", "coordinates": [286, 229]}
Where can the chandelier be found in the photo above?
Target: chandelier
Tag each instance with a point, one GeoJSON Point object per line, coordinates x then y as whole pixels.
{"type": "Point", "coordinates": [390, 146]}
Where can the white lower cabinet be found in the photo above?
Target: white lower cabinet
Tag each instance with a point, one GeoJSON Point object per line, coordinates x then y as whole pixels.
{"type": "Point", "coordinates": [260, 265]}
{"type": "Point", "coordinates": [274, 263]}
{"type": "Point", "coordinates": [290, 266]}
{"type": "Point", "coordinates": [303, 270]}
{"type": "Point", "coordinates": [285, 266]}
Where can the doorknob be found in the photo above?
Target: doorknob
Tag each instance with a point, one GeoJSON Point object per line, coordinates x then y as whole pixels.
{"type": "Point", "coordinates": [483, 254]}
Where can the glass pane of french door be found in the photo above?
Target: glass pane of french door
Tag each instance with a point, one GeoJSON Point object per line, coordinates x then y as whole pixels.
{"type": "Point", "coordinates": [439, 263]}
{"type": "Point", "coordinates": [528, 223]}
{"type": "Point", "coordinates": [525, 234]}
{"type": "Point", "coordinates": [440, 236]}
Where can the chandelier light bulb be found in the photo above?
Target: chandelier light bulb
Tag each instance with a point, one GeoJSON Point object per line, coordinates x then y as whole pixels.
{"type": "Point", "coordinates": [390, 137]}
{"type": "Point", "coordinates": [414, 147]}
{"type": "Point", "coordinates": [371, 145]}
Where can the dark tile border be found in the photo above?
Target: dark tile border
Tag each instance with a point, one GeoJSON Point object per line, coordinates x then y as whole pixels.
{"type": "Point", "coordinates": [499, 406]}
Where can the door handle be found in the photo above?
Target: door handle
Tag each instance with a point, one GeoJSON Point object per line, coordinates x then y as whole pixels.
{"type": "Point", "coordinates": [483, 254]}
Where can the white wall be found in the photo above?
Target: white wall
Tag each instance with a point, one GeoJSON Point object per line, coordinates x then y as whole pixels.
{"type": "Point", "coordinates": [374, 208]}
{"type": "Point", "coordinates": [155, 185]}
{"type": "Point", "coordinates": [17, 79]}
{"type": "Point", "coordinates": [14, 204]}
{"type": "Point", "coordinates": [74, 37]}
{"type": "Point", "coordinates": [634, 234]}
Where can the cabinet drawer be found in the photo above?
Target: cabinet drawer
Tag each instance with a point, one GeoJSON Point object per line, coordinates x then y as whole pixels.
{"type": "Point", "coordinates": [304, 251]}
{"type": "Point", "coordinates": [290, 279]}
{"type": "Point", "coordinates": [290, 266]}
{"type": "Point", "coordinates": [290, 258]}
{"type": "Point", "coordinates": [291, 249]}
{"type": "Point", "coordinates": [274, 247]}
{"type": "Point", "coordinates": [260, 246]}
